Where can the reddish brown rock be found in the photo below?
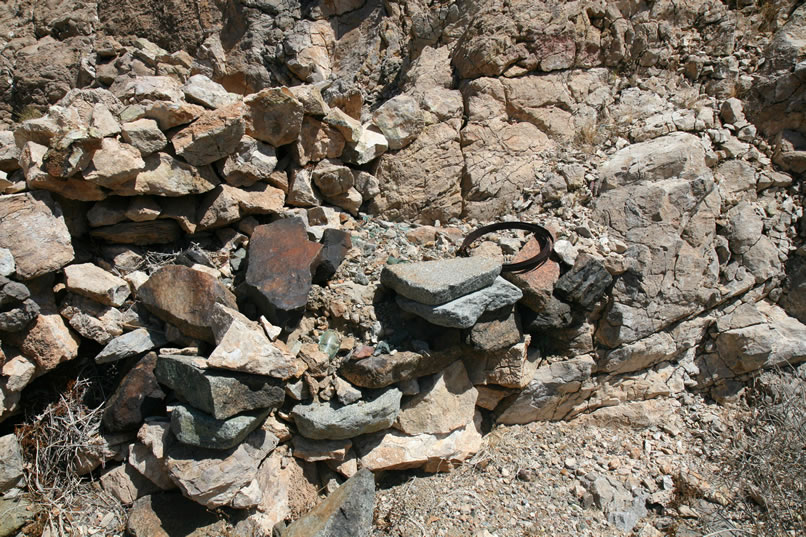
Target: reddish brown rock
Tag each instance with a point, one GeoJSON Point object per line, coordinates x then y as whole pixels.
{"type": "Point", "coordinates": [537, 284]}
{"type": "Point", "coordinates": [185, 297]}
{"type": "Point", "coordinates": [32, 227]}
{"type": "Point", "coordinates": [317, 141]}
{"type": "Point", "coordinates": [280, 264]}
{"type": "Point", "coordinates": [137, 397]}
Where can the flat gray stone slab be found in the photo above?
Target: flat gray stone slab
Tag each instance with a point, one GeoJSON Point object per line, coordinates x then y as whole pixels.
{"type": "Point", "coordinates": [465, 311]}
{"type": "Point", "coordinates": [438, 282]}
{"type": "Point", "coordinates": [130, 344]}
{"type": "Point", "coordinates": [321, 421]}
{"type": "Point", "coordinates": [193, 427]}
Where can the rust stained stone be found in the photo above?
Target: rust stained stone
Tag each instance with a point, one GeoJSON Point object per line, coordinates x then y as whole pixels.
{"type": "Point", "coordinates": [185, 298]}
{"type": "Point", "coordinates": [281, 263]}
{"type": "Point", "coordinates": [537, 284]}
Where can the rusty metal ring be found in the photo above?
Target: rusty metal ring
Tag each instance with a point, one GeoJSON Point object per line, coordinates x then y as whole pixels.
{"type": "Point", "coordinates": [543, 236]}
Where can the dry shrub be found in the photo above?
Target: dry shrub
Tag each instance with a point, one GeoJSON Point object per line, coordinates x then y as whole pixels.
{"type": "Point", "coordinates": [57, 446]}
{"type": "Point", "coordinates": [767, 458]}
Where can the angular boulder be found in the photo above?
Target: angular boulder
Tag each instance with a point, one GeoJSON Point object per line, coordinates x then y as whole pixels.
{"type": "Point", "coordinates": [438, 282]}
{"type": "Point", "coordinates": [279, 275]}
{"type": "Point", "coordinates": [32, 227]}
{"type": "Point", "coordinates": [321, 421]}
{"type": "Point", "coordinates": [185, 298]}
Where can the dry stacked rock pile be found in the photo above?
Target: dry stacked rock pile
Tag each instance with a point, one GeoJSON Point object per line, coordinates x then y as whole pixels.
{"type": "Point", "coordinates": [255, 243]}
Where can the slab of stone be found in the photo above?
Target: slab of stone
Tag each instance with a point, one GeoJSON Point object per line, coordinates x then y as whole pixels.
{"type": "Point", "coordinates": [213, 478]}
{"type": "Point", "coordinates": [137, 396]}
{"type": "Point", "coordinates": [193, 427]}
{"type": "Point", "coordinates": [345, 513]}
{"type": "Point", "coordinates": [114, 163]}
{"type": "Point", "coordinates": [320, 450]}
{"type": "Point", "coordinates": [320, 421]}
{"type": "Point", "coordinates": [279, 276]}
{"type": "Point", "coordinates": [143, 209]}
{"type": "Point", "coordinates": [463, 312]}
{"type": "Point", "coordinates": [213, 136]}
{"type": "Point", "coordinates": [393, 450]}
{"type": "Point", "coordinates": [11, 462]}
{"type": "Point", "coordinates": [130, 344]}
{"type": "Point", "coordinates": [387, 369]}
{"type": "Point", "coordinates": [273, 116]}
{"type": "Point", "coordinates": [185, 298]}
{"type": "Point", "coordinates": [252, 161]}
{"type": "Point", "coordinates": [141, 233]}
{"type": "Point", "coordinates": [244, 347]}
{"type": "Point", "coordinates": [126, 484]}
{"type": "Point", "coordinates": [584, 284]}
{"type": "Point", "coordinates": [446, 402]}
{"type": "Point", "coordinates": [47, 341]}
{"type": "Point", "coordinates": [349, 127]}
{"type": "Point", "coordinates": [164, 175]}
{"type": "Point", "coordinates": [438, 282]}
{"type": "Point", "coordinates": [144, 461]}
{"type": "Point", "coordinates": [33, 229]}
{"type": "Point", "coordinates": [201, 90]}
{"type": "Point", "coordinates": [335, 245]}
{"type": "Point", "coordinates": [187, 518]}
{"type": "Point", "coordinates": [300, 190]}
{"type": "Point", "coordinates": [145, 135]}
{"type": "Point", "coordinates": [17, 512]}
{"type": "Point", "coordinates": [93, 282]}
{"type": "Point", "coordinates": [220, 394]}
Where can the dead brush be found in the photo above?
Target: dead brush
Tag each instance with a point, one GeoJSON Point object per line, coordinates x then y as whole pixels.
{"type": "Point", "coordinates": [57, 445]}
{"type": "Point", "coordinates": [766, 459]}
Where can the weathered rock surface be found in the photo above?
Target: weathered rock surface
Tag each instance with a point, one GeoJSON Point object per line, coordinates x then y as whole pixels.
{"type": "Point", "coordinates": [164, 175]}
{"type": "Point", "coordinates": [193, 427]}
{"type": "Point", "coordinates": [126, 484]}
{"type": "Point", "coordinates": [438, 282]}
{"type": "Point", "coordinates": [188, 518]}
{"type": "Point", "coordinates": [244, 347]}
{"type": "Point", "coordinates": [446, 402]}
{"type": "Point", "coordinates": [10, 462]}
{"type": "Point", "coordinates": [217, 393]}
{"type": "Point", "coordinates": [387, 369]}
{"type": "Point", "coordinates": [213, 478]}
{"type": "Point", "coordinates": [347, 512]}
{"type": "Point", "coordinates": [551, 393]}
{"type": "Point", "coordinates": [250, 162]}
{"type": "Point", "coordinates": [130, 344]}
{"type": "Point", "coordinates": [512, 368]}
{"type": "Point", "coordinates": [213, 136]}
{"type": "Point", "coordinates": [185, 297]}
{"type": "Point", "coordinates": [32, 227]}
{"type": "Point", "coordinates": [327, 422]}
{"type": "Point", "coordinates": [584, 284]}
{"type": "Point", "coordinates": [97, 284]}
{"type": "Point", "coordinates": [279, 275]}
{"type": "Point", "coordinates": [137, 396]}
{"type": "Point", "coordinates": [273, 116]}
{"type": "Point", "coordinates": [395, 451]}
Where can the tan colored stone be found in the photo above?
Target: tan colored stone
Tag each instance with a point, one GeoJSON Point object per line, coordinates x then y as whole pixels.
{"type": "Point", "coordinates": [213, 136]}
{"type": "Point", "coordinates": [145, 135]}
{"type": "Point", "coordinates": [510, 368]}
{"type": "Point", "coordinates": [395, 451]}
{"type": "Point", "coordinates": [446, 402]}
{"type": "Point", "coordinates": [94, 282]}
{"type": "Point", "coordinates": [32, 227]}
{"type": "Point", "coordinates": [251, 162]}
{"type": "Point", "coordinates": [31, 159]}
{"type": "Point", "coordinates": [349, 127]}
{"type": "Point", "coordinates": [317, 141]}
{"type": "Point", "coordinates": [273, 116]}
{"type": "Point", "coordinates": [113, 163]}
{"type": "Point", "coordinates": [172, 114]}
{"type": "Point", "coordinates": [167, 176]}
{"type": "Point", "coordinates": [436, 155]}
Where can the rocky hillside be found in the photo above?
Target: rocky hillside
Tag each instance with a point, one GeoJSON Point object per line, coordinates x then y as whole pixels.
{"type": "Point", "coordinates": [235, 223]}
